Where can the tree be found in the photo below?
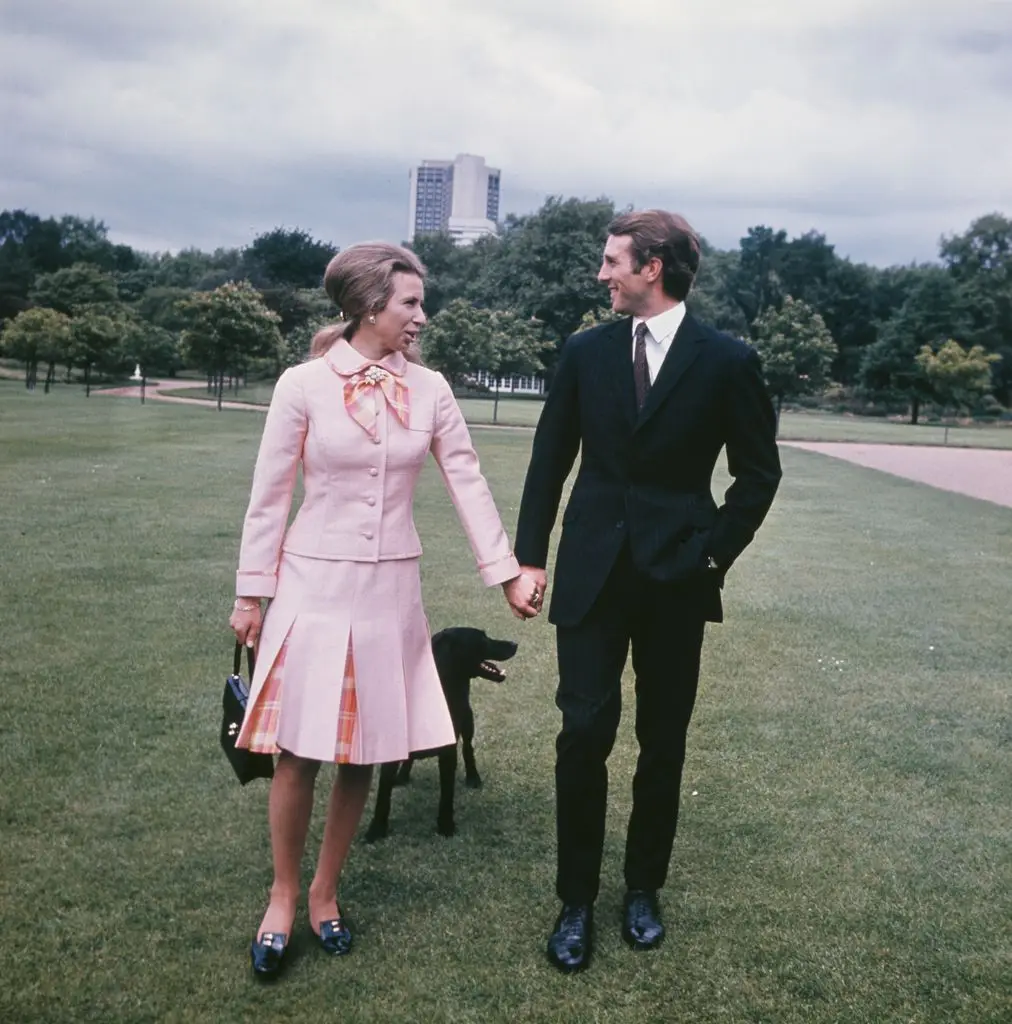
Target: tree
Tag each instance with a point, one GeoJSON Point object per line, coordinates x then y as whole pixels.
{"type": "Point", "coordinates": [980, 261]}
{"type": "Point", "coordinates": [796, 349]}
{"type": "Point", "coordinates": [450, 268]}
{"type": "Point", "coordinates": [848, 305]}
{"type": "Point", "coordinates": [933, 311]}
{"type": "Point", "coordinates": [596, 317]}
{"type": "Point", "coordinates": [287, 257]}
{"type": "Point", "coordinates": [97, 338]}
{"type": "Point", "coordinates": [458, 340]}
{"type": "Point", "coordinates": [74, 288]}
{"type": "Point", "coordinates": [227, 327]}
{"type": "Point", "coordinates": [957, 377]}
{"type": "Point", "coordinates": [196, 270]}
{"type": "Point", "coordinates": [297, 342]}
{"type": "Point", "coordinates": [711, 299]}
{"type": "Point", "coordinates": [296, 306]}
{"type": "Point", "coordinates": [148, 348]}
{"type": "Point", "coordinates": [56, 347]}
{"type": "Point", "coordinates": [545, 264]}
{"type": "Point", "coordinates": [755, 282]}
{"type": "Point", "coordinates": [29, 246]}
{"type": "Point", "coordinates": [34, 335]}
{"type": "Point", "coordinates": [518, 348]}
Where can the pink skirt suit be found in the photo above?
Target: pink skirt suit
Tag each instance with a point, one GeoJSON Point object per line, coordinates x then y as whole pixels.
{"type": "Point", "coordinates": [344, 666]}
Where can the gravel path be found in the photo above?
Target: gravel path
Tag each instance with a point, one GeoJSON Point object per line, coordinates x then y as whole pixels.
{"type": "Point", "coordinates": [978, 472]}
{"type": "Point", "coordinates": [153, 391]}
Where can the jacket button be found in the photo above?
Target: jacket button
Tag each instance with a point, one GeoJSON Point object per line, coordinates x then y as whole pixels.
{"type": "Point", "coordinates": [377, 440]}
{"type": "Point", "coordinates": [373, 471]}
{"type": "Point", "coordinates": [368, 534]}
{"type": "Point", "coordinates": [370, 501]}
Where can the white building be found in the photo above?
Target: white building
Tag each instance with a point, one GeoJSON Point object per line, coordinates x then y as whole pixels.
{"type": "Point", "coordinates": [459, 196]}
{"type": "Point", "coordinates": [516, 385]}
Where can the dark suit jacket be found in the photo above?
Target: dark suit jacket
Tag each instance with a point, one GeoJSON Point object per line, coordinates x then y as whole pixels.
{"type": "Point", "coordinates": [646, 477]}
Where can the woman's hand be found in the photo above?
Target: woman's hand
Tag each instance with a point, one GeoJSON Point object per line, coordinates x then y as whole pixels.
{"type": "Point", "coordinates": [245, 620]}
{"type": "Point", "coordinates": [524, 595]}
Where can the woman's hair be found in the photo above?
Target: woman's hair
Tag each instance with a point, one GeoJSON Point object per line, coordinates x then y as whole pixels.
{"type": "Point", "coordinates": [670, 238]}
{"type": "Point", "coordinates": [360, 281]}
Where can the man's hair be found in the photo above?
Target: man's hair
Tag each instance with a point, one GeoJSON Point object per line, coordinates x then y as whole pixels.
{"type": "Point", "coordinates": [670, 238]}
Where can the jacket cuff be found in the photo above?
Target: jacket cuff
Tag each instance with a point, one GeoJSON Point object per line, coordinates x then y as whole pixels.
{"type": "Point", "coordinates": [255, 584]}
{"type": "Point", "coordinates": [499, 572]}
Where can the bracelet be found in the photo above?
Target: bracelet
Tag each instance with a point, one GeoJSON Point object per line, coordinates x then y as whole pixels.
{"type": "Point", "coordinates": [246, 607]}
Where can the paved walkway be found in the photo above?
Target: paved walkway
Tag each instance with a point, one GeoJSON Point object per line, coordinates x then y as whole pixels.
{"type": "Point", "coordinates": [154, 390]}
{"type": "Point", "coordinates": [984, 473]}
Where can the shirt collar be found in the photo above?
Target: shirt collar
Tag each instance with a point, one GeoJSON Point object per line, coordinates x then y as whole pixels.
{"type": "Point", "coordinates": [346, 361]}
{"type": "Point", "coordinates": [663, 326]}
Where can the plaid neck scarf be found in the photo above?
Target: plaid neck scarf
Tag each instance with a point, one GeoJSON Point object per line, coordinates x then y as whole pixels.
{"type": "Point", "coordinates": [361, 397]}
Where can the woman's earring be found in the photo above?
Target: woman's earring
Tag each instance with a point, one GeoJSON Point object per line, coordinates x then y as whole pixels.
{"type": "Point", "coordinates": [372, 318]}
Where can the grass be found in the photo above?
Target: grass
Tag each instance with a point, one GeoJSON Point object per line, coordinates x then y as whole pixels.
{"type": "Point", "coordinates": [843, 850]}
{"type": "Point", "coordinates": [511, 412]}
{"type": "Point", "coordinates": [794, 426]}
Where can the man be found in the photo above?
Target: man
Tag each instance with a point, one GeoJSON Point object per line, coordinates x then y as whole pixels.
{"type": "Point", "coordinates": [651, 400]}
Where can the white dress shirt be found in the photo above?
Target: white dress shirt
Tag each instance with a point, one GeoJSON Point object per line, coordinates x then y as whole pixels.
{"type": "Point", "coordinates": [660, 333]}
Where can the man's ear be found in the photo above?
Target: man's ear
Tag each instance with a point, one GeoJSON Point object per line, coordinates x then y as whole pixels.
{"type": "Point", "coordinates": [652, 269]}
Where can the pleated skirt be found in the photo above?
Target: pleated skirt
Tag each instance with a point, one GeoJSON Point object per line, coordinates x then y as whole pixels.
{"type": "Point", "coordinates": [344, 669]}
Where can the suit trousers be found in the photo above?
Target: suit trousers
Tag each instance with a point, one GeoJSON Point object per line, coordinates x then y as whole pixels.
{"type": "Point", "coordinates": [664, 624]}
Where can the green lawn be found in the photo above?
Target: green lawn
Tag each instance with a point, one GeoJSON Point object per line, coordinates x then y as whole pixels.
{"type": "Point", "coordinates": [511, 412]}
{"type": "Point", "coordinates": [794, 426]}
{"type": "Point", "coordinates": [843, 852]}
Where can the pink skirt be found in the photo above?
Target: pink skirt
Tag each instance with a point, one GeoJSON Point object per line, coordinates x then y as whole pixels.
{"type": "Point", "coordinates": [344, 667]}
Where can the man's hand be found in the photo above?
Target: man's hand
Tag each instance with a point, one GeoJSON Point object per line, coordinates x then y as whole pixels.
{"type": "Point", "coordinates": [540, 578]}
{"type": "Point", "coordinates": [524, 595]}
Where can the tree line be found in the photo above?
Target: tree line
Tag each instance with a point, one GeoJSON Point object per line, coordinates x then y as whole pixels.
{"type": "Point", "coordinates": [890, 338]}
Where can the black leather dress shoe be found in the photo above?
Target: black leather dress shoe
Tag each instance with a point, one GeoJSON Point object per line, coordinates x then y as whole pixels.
{"type": "Point", "coordinates": [335, 937]}
{"type": "Point", "coordinates": [570, 943]}
{"type": "Point", "coordinates": [267, 954]}
{"type": "Point", "coordinates": [641, 924]}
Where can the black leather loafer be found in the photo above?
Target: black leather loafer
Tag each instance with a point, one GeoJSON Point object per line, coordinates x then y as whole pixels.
{"type": "Point", "coordinates": [570, 943]}
{"type": "Point", "coordinates": [641, 923]}
{"type": "Point", "coordinates": [335, 937]}
{"type": "Point", "coordinates": [267, 954]}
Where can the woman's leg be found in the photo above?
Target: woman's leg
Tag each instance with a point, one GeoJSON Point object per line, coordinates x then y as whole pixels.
{"type": "Point", "coordinates": [347, 801]}
{"type": "Point", "coordinates": [289, 809]}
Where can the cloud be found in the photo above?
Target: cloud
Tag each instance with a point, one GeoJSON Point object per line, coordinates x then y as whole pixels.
{"type": "Point", "coordinates": [883, 124]}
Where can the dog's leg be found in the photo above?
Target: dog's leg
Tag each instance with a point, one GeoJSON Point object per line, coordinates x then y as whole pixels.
{"type": "Point", "coordinates": [471, 777]}
{"type": "Point", "coordinates": [445, 824]}
{"type": "Point", "coordinates": [379, 827]}
{"type": "Point", "coordinates": [404, 772]}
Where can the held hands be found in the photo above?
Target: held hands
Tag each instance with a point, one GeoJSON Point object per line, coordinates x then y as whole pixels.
{"type": "Point", "coordinates": [526, 592]}
{"type": "Point", "coordinates": [245, 620]}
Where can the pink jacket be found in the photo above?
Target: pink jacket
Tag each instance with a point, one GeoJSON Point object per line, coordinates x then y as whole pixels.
{"type": "Point", "coordinates": [359, 490]}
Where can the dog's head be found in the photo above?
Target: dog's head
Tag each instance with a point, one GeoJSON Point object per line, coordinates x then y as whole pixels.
{"type": "Point", "coordinates": [465, 653]}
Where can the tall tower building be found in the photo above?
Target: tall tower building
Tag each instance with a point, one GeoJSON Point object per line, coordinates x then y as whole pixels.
{"type": "Point", "coordinates": [459, 196]}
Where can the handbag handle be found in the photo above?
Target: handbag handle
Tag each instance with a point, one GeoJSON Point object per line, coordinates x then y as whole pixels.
{"type": "Point", "coordinates": [237, 660]}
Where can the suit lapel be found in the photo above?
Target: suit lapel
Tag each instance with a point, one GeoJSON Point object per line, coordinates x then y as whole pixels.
{"type": "Point", "coordinates": [685, 347]}
{"type": "Point", "coordinates": [617, 365]}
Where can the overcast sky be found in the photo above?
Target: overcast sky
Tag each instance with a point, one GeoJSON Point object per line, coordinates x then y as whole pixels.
{"type": "Point", "coordinates": [882, 123]}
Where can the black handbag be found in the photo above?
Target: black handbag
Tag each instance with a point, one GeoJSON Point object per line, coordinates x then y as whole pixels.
{"type": "Point", "coordinates": [246, 764]}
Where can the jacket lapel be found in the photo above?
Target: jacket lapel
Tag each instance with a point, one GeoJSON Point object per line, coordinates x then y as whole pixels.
{"type": "Point", "coordinates": [617, 365]}
{"type": "Point", "coordinates": [685, 347]}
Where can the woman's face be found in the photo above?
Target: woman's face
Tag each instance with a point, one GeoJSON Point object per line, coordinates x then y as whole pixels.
{"type": "Point", "coordinates": [398, 323]}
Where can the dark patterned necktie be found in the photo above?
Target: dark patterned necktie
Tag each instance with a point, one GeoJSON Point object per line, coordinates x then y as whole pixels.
{"type": "Point", "coordinates": [641, 372]}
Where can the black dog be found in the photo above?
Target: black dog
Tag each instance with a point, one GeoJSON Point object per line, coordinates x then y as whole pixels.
{"type": "Point", "coordinates": [461, 654]}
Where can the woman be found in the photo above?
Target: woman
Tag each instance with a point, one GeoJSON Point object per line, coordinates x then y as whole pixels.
{"type": "Point", "coordinates": [345, 671]}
